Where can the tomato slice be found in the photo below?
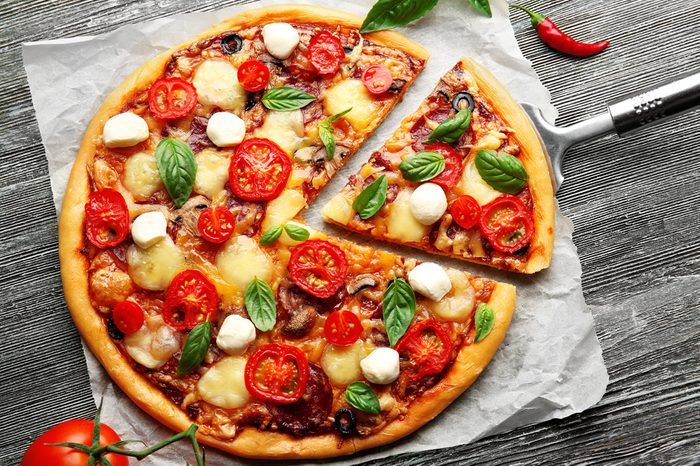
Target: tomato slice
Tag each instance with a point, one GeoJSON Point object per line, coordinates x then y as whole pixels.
{"type": "Point", "coordinates": [216, 224]}
{"type": "Point", "coordinates": [453, 165]}
{"type": "Point", "coordinates": [342, 328]}
{"type": "Point", "coordinates": [318, 267]}
{"type": "Point", "coordinates": [259, 170]}
{"type": "Point", "coordinates": [128, 317]}
{"type": "Point", "coordinates": [507, 224]}
{"type": "Point", "coordinates": [106, 218]}
{"type": "Point", "coordinates": [465, 211]}
{"type": "Point", "coordinates": [170, 98]}
{"type": "Point", "coordinates": [189, 300]}
{"type": "Point", "coordinates": [427, 346]}
{"type": "Point", "coordinates": [326, 53]}
{"type": "Point", "coordinates": [277, 373]}
{"type": "Point", "coordinates": [377, 79]}
{"type": "Point", "coordinates": [253, 75]}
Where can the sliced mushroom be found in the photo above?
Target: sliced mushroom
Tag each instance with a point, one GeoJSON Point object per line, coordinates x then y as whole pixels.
{"type": "Point", "coordinates": [300, 322]}
{"type": "Point", "coordinates": [188, 215]}
{"type": "Point", "coordinates": [310, 154]}
{"type": "Point", "coordinates": [360, 282]}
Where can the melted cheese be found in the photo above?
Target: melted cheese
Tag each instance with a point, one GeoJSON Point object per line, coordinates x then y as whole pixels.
{"type": "Point", "coordinates": [352, 93]}
{"type": "Point", "coordinates": [216, 82]}
{"type": "Point", "coordinates": [286, 129]}
{"type": "Point", "coordinates": [459, 302]}
{"type": "Point", "coordinates": [473, 185]}
{"type": "Point", "coordinates": [141, 175]}
{"type": "Point", "coordinates": [342, 364]}
{"type": "Point", "coordinates": [241, 260]}
{"type": "Point", "coordinates": [212, 172]}
{"type": "Point", "coordinates": [339, 209]}
{"type": "Point", "coordinates": [401, 224]}
{"type": "Point", "coordinates": [155, 267]}
{"type": "Point", "coordinates": [490, 141]}
{"type": "Point", "coordinates": [153, 344]}
{"type": "Point", "coordinates": [224, 383]}
{"type": "Point", "coordinates": [283, 208]}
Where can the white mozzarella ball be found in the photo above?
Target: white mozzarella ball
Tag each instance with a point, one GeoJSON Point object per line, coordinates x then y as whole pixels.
{"type": "Point", "coordinates": [124, 130]}
{"type": "Point", "coordinates": [235, 334]}
{"type": "Point", "coordinates": [148, 229]}
{"type": "Point", "coordinates": [430, 280]}
{"type": "Point", "coordinates": [280, 39]}
{"type": "Point", "coordinates": [381, 366]}
{"type": "Point", "coordinates": [225, 129]}
{"type": "Point", "coordinates": [428, 202]}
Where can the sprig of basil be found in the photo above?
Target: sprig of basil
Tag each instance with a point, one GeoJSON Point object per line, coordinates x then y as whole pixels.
{"type": "Point", "coordinates": [261, 305]}
{"type": "Point", "coordinates": [271, 235]}
{"type": "Point", "coordinates": [371, 199]}
{"type": "Point", "coordinates": [285, 99]}
{"type": "Point", "coordinates": [422, 166]}
{"type": "Point", "coordinates": [387, 14]}
{"type": "Point", "coordinates": [325, 131]}
{"type": "Point", "coordinates": [196, 347]}
{"type": "Point", "coordinates": [296, 232]}
{"type": "Point", "coordinates": [502, 171]}
{"type": "Point", "coordinates": [361, 396]}
{"type": "Point", "coordinates": [482, 6]}
{"type": "Point", "coordinates": [177, 168]}
{"type": "Point", "coordinates": [399, 307]}
{"type": "Point", "coordinates": [483, 321]}
{"type": "Point", "coordinates": [452, 129]}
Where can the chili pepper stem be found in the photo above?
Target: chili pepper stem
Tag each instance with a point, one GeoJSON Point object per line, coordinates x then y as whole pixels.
{"type": "Point", "coordinates": [535, 18]}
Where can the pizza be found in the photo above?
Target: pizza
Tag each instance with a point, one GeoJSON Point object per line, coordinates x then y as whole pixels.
{"type": "Point", "coordinates": [464, 176]}
{"type": "Point", "coordinates": [193, 279]}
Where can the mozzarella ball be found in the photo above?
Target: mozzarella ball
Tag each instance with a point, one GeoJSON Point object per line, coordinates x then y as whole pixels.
{"type": "Point", "coordinates": [381, 366]}
{"type": "Point", "coordinates": [148, 229]}
{"type": "Point", "coordinates": [235, 334]}
{"type": "Point", "coordinates": [280, 39]}
{"type": "Point", "coordinates": [428, 202]}
{"type": "Point", "coordinates": [225, 129]}
{"type": "Point", "coordinates": [430, 280]}
{"type": "Point", "coordinates": [124, 130]}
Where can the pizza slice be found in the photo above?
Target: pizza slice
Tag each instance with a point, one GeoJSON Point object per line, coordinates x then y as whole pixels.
{"type": "Point", "coordinates": [464, 176]}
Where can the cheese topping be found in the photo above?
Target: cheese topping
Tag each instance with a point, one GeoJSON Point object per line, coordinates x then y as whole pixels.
{"type": "Point", "coordinates": [212, 172]}
{"type": "Point", "coordinates": [430, 280]}
{"type": "Point", "coordinates": [283, 208]}
{"type": "Point", "coordinates": [124, 130]}
{"type": "Point", "coordinates": [141, 175]}
{"type": "Point", "coordinates": [224, 383]}
{"type": "Point", "coordinates": [225, 129]}
{"type": "Point", "coordinates": [381, 366]}
{"type": "Point", "coordinates": [458, 304]}
{"type": "Point", "coordinates": [216, 82]}
{"type": "Point", "coordinates": [286, 129]}
{"type": "Point", "coordinates": [155, 267]}
{"type": "Point", "coordinates": [428, 203]}
{"type": "Point", "coordinates": [235, 334]}
{"type": "Point", "coordinates": [280, 39]}
{"type": "Point", "coordinates": [473, 185]}
{"type": "Point", "coordinates": [342, 364]}
{"type": "Point", "coordinates": [153, 344]}
{"type": "Point", "coordinates": [241, 260]}
{"type": "Point", "coordinates": [401, 224]}
{"type": "Point", "coordinates": [352, 93]}
{"type": "Point", "coordinates": [148, 229]}
{"type": "Point", "coordinates": [339, 209]}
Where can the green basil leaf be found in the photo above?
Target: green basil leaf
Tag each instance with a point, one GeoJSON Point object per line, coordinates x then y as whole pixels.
{"type": "Point", "coordinates": [422, 166]}
{"type": "Point", "coordinates": [271, 235]}
{"type": "Point", "coordinates": [261, 305]}
{"type": "Point", "coordinates": [482, 6]}
{"type": "Point", "coordinates": [325, 131]}
{"type": "Point", "coordinates": [387, 14]}
{"type": "Point", "coordinates": [371, 199]}
{"type": "Point", "coordinates": [361, 396]}
{"type": "Point", "coordinates": [483, 321]}
{"type": "Point", "coordinates": [296, 232]}
{"type": "Point", "coordinates": [196, 347]}
{"type": "Point", "coordinates": [452, 129]}
{"type": "Point", "coordinates": [502, 171]}
{"type": "Point", "coordinates": [285, 99]}
{"type": "Point", "coordinates": [177, 168]}
{"type": "Point", "coordinates": [399, 307]}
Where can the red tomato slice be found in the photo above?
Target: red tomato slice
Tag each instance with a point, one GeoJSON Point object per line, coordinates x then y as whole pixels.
{"type": "Point", "coordinates": [326, 53]}
{"type": "Point", "coordinates": [453, 165]}
{"type": "Point", "coordinates": [342, 328]}
{"type": "Point", "coordinates": [465, 211]}
{"type": "Point", "coordinates": [106, 218]}
{"type": "Point", "coordinates": [277, 373]}
{"type": "Point", "coordinates": [189, 300]}
{"type": "Point", "coordinates": [507, 224]}
{"type": "Point", "coordinates": [128, 317]}
{"type": "Point", "coordinates": [318, 267]}
{"type": "Point", "coordinates": [170, 98]}
{"type": "Point", "coordinates": [427, 346]}
{"type": "Point", "coordinates": [216, 225]}
{"type": "Point", "coordinates": [259, 170]}
{"type": "Point", "coordinates": [253, 75]}
{"type": "Point", "coordinates": [377, 79]}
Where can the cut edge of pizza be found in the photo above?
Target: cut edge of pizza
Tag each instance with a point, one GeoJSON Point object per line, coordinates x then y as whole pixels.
{"type": "Point", "coordinates": [471, 184]}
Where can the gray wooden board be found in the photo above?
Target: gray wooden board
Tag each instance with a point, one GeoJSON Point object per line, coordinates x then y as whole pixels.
{"type": "Point", "coordinates": [634, 203]}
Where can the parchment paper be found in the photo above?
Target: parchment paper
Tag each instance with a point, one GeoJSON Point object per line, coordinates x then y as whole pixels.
{"type": "Point", "coordinates": [550, 364]}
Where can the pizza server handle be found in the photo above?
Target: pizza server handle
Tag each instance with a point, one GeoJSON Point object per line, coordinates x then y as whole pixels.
{"type": "Point", "coordinates": [623, 116]}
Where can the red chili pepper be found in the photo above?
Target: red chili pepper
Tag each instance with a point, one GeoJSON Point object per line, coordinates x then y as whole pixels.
{"type": "Point", "coordinates": [555, 38]}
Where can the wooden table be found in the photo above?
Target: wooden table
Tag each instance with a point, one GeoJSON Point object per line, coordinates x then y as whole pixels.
{"type": "Point", "coordinates": [634, 203]}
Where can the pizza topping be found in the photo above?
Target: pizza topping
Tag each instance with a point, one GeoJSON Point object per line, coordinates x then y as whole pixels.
{"type": "Point", "coordinates": [325, 132]}
{"type": "Point", "coordinates": [106, 218]}
{"type": "Point", "coordinates": [483, 321]}
{"type": "Point", "coordinates": [463, 100]}
{"type": "Point", "coordinates": [318, 267]}
{"type": "Point", "coordinates": [286, 129]}
{"type": "Point", "coordinates": [451, 129]}
{"type": "Point", "coordinates": [260, 304]}
{"type": "Point", "coordinates": [155, 267]}
{"type": "Point", "coordinates": [153, 344]}
{"type": "Point", "coordinates": [124, 130]}
{"type": "Point", "coordinates": [280, 39]}
{"type": "Point", "coordinates": [216, 224]}
{"type": "Point", "coordinates": [361, 282]}
{"type": "Point", "coordinates": [427, 347]}
{"type": "Point", "coordinates": [216, 82]}
{"type": "Point", "coordinates": [285, 99]}
{"type": "Point", "coordinates": [501, 170]}
{"type": "Point", "coordinates": [342, 363]}
{"type": "Point", "coordinates": [428, 203]}
{"type": "Point", "coordinates": [170, 98]}
{"type": "Point", "coordinates": [190, 299]}
{"type": "Point", "coordinates": [361, 396]}
{"type": "Point", "coordinates": [326, 53]}
{"type": "Point", "coordinates": [371, 199]}
{"type": "Point", "coordinates": [448, 177]}
{"type": "Point", "coordinates": [241, 260]}
{"type": "Point", "coordinates": [507, 224]}
{"type": "Point", "coordinates": [253, 75]}
{"type": "Point", "coordinates": [381, 366]}
{"type": "Point", "coordinates": [342, 328]}
{"type": "Point", "coordinates": [128, 317]}
{"type": "Point", "coordinates": [177, 167]}
{"type": "Point", "coordinates": [223, 384]}
{"type": "Point", "coordinates": [422, 166]}
{"type": "Point", "coordinates": [401, 224]}
{"type": "Point", "coordinates": [196, 347]}
{"type": "Point", "coordinates": [399, 307]}
{"type": "Point", "coordinates": [231, 43]}
{"type": "Point", "coordinates": [141, 175]}
{"type": "Point", "coordinates": [149, 228]}
{"type": "Point", "coordinates": [465, 211]}
{"type": "Point", "coordinates": [345, 421]}
{"type": "Point", "coordinates": [259, 170]}
{"type": "Point", "coordinates": [235, 334]}
{"type": "Point", "coordinates": [377, 79]}
{"type": "Point", "coordinates": [430, 280]}
{"type": "Point", "coordinates": [277, 373]}
{"type": "Point", "coordinates": [225, 129]}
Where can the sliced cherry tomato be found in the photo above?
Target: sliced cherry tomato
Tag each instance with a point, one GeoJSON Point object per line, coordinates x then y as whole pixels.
{"type": "Point", "coordinates": [318, 267]}
{"type": "Point", "coordinates": [277, 373]}
{"type": "Point", "coordinates": [106, 218]}
{"type": "Point", "coordinates": [259, 170]}
{"type": "Point", "coordinates": [377, 79]}
{"type": "Point", "coordinates": [216, 224]}
{"type": "Point", "coordinates": [507, 224]}
{"type": "Point", "coordinates": [427, 346]}
{"type": "Point", "coordinates": [453, 165]}
{"type": "Point", "coordinates": [326, 52]}
{"type": "Point", "coordinates": [342, 328]}
{"type": "Point", "coordinates": [465, 211]}
{"type": "Point", "coordinates": [189, 300]}
{"type": "Point", "coordinates": [253, 75]}
{"type": "Point", "coordinates": [128, 317]}
{"type": "Point", "coordinates": [170, 98]}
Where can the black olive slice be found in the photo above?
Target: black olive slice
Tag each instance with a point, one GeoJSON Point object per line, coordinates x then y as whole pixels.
{"type": "Point", "coordinates": [459, 97]}
{"type": "Point", "coordinates": [113, 331]}
{"type": "Point", "coordinates": [348, 49]}
{"type": "Point", "coordinates": [345, 421]}
{"type": "Point", "coordinates": [231, 43]}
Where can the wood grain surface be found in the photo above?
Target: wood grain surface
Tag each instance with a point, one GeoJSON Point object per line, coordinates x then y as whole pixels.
{"type": "Point", "coordinates": [634, 203]}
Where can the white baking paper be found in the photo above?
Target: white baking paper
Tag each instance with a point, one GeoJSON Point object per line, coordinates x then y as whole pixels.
{"type": "Point", "coordinates": [550, 365]}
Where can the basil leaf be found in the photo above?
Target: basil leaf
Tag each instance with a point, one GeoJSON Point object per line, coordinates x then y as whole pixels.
{"type": "Point", "coordinates": [325, 131]}
{"type": "Point", "coordinates": [502, 171]}
{"type": "Point", "coordinates": [422, 166]}
{"type": "Point", "coordinates": [452, 129]}
{"type": "Point", "coordinates": [261, 305]}
{"type": "Point", "coordinates": [196, 347]}
{"type": "Point", "coordinates": [177, 168]}
{"type": "Point", "coordinates": [285, 99]}
{"type": "Point", "coordinates": [371, 199]}
{"type": "Point", "coordinates": [482, 6]}
{"type": "Point", "coordinates": [361, 396]}
{"type": "Point", "coordinates": [483, 321]}
{"type": "Point", "coordinates": [296, 232]}
{"type": "Point", "coordinates": [399, 306]}
{"type": "Point", "coordinates": [271, 235]}
{"type": "Point", "coordinates": [387, 14]}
